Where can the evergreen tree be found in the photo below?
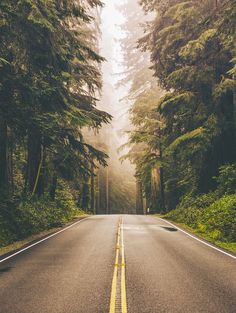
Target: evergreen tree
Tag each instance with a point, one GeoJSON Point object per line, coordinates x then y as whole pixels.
{"type": "Point", "coordinates": [49, 80]}
{"type": "Point", "coordinates": [192, 53]}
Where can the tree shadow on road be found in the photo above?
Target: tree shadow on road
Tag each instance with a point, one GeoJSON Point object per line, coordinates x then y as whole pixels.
{"type": "Point", "coordinates": [169, 228]}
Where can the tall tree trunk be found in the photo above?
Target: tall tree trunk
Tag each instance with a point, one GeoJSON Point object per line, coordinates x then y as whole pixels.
{"type": "Point", "coordinates": [107, 191]}
{"type": "Point", "coordinates": [4, 166]}
{"type": "Point", "coordinates": [53, 187]}
{"type": "Point", "coordinates": [155, 184]}
{"type": "Point", "coordinates": [85, 199]}
{"type": "Point", "coordinates": [11, 171]}
{"type": "Point", "coordinates": [97, 209]}
{"type": "Point", "coordinates": [41, 181]}
{"type": "Point", "coordinates": [162, 182]}
{"type": "Point", "coordinates": [92, 190]}
{"type": "Point", "coordinates": [139, 197]}
{"type": "Point", "coordinates": [102, 203]}
{"type": "Point", "coordinates": [234, 111]}
{"type": "Point", "coordinates": [35, 163]}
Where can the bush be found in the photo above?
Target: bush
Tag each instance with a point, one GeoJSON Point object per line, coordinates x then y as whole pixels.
{"type": "Point", "coordinates": [211, 216]}
{"type": "Point", "coordinates": [22, 217]}
{"type": "Point", "coordinates": [226, 179]}
{"type": "Point", "coordinates": [199, 202]}
{"type": "Point", "coordinates": [220, 218]}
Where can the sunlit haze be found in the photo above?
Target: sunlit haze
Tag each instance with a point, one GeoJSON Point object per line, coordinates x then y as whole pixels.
{"type": "Point", "coordinates": [112, 32]}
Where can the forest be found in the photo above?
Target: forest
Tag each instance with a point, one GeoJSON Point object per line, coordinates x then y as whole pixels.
{"type": "Point", "coordinates": [179, 68]}
{"type": "Point", "coordinates": [183, 113]}
{"type": "Point", "coordinates": [49, 81]}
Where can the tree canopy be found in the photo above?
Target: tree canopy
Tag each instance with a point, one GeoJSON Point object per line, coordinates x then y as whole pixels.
{"type": "Point", "coordinates": [192, 52]}
{"type": "Point", "coordinates": [49, 83]}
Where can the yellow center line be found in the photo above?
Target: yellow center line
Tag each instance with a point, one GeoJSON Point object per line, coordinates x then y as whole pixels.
{"type": "Point", "coordinates": [114, 281]}
{"type": "Point", "coordinates": [117, 268]}
{"type": "Point", "coordinates": [123, 280]}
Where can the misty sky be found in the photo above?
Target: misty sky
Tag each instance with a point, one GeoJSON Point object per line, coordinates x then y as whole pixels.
{"type": "Point", "coordinates": [112, 21]}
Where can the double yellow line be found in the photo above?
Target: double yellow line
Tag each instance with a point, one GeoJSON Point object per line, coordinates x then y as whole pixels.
{"type": "Point", "coordinates": [119, 272]}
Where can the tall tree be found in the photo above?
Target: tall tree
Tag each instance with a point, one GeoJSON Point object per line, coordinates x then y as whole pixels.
{"type": "Point", "coordinates": [143, 96]}
{"type": "Point", "coordinates": [48, 90]}
{"type": "Point", "coordinates": [192, 53]}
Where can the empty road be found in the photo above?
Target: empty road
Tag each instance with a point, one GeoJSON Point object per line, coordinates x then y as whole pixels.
{"type": "Point", "coordinates": [119, 264]}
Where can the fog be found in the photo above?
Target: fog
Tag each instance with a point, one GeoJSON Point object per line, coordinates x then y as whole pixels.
{"type": "Point", "coordinates": [112, 21]}
{"type": "Point", "coordinates": [114, 136]}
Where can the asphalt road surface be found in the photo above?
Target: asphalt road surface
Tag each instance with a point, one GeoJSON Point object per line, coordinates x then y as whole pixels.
{"type": "Point", "coordinates": [133, 264]}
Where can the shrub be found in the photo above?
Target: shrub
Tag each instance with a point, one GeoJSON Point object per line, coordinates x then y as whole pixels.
{"type": "Point", "coordinates": [215, 218]}
{"type": "Point", "coordinates": [226, 179]}
{"type": "Point", "coordinates": [221, 217]}
{"type": "Point", "coordinates": [25, 216]}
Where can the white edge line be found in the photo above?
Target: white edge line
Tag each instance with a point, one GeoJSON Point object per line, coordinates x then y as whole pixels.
{"type": "Point", "coordinates": [194, 237]}
{"type": "Point", "coordinates": [42, 240]}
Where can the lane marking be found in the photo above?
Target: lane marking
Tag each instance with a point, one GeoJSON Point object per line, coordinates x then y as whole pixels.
{"type": "Point", "coordinates": [42, 240]}
{"type": "Point", "coordinates": [123, 279]}
{"type": "Point", "coordinates": [194, 237]}
{"type": "Point", "coordinates": [118, 301]}
{"type": "Point", "coordinates": [115, 274]}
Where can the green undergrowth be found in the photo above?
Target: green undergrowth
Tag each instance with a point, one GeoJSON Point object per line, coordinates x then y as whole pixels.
{"type": "Point", "coordinates": [211, 217]}
{"type": "Point", "coordinates": [22, 217]}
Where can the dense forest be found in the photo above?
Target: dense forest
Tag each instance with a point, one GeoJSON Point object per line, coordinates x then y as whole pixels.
{"type": "Point", "coordinates": [184, 127]}
{"type": "Point", "coordinates": [179, 61]}
{"type": "Point", "coordinates": [49, 82]}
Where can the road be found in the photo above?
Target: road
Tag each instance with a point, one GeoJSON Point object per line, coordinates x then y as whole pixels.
{"type": "Point", "coordinates": [133, 264]}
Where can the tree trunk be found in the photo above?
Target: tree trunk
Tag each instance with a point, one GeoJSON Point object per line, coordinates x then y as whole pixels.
{"type": "Point", "coordinates": [102, 192]}
{"type": "Point", "coordinates": [85, 196]}
{"type": "Point", "coordinates": [4, 166]}
{"type": "Point", "coordinates": [93, 209]}
{"type": "Point", "coordinates": [234, 111]}
{"type": "Point", "coordinates": [53, 186]}
{"type": "Point", "coordinates": [162, 182]}
{"type": "Point", "coordinates": [139, 198]}
{"type": "Point", "coordinates": [107, 191]}
{"type": "Point", "coordinates": [35, 163]}
{"type": "Point", "coordinates": [155, 184]}
{"type": "Point", "coordinates": [97, 209]}
{"type": "Point", "coordinates": [11, 171]}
